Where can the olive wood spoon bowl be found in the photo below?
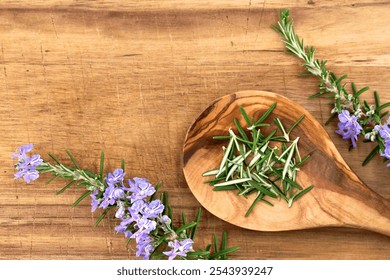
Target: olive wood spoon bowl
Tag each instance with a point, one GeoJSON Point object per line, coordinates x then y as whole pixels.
{"type": "Point", "coordinates": [339, 198]}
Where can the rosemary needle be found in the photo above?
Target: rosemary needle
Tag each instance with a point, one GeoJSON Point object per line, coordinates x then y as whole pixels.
{"type": "Point", "coordinates": [263, 164]}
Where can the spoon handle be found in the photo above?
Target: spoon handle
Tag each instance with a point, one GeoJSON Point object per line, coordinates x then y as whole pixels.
{"type": "Point", "coordinates": [353, 204]}
{"type": "Point", "coordinates": [372, 214]}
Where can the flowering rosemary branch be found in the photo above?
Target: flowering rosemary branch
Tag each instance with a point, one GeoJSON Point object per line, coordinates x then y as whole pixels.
{"type": "Point", "coordinates": [355, 117]}
{"type": "Point", "coordinates": [143, 218]}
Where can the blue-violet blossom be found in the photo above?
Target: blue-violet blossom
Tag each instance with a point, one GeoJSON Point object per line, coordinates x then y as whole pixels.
{"type": "Point", "coordinates": [179, 248]}
{"type": "Point", "coordinates": [349, 128]}
{"type": "Point", "coordinates": [26, 166]}
{"type": "Point", "coordinates": [384, 132]}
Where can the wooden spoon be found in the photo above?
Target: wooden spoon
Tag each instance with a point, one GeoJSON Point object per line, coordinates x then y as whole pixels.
{"type": "Point", "coordinates": [339, 197]}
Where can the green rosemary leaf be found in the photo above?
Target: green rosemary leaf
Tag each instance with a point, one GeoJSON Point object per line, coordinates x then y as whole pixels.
{"type": "Point", "coordinates": [383, 106]}
{"type": "Point", "coordinates": [266, 114]}
{"type": "Point", "coordinates": [254, 160]}
{"type": "Point", "coordinates": [82, 183]}
{"type": "Point", "coordinates": [223, 253]}
{"type": "Point", "coordinates": [157, 256]}
{"type": "Point", "coordinates": [367, 106]}
{"type": "Point", "coordinates": [371, 155]}
{"type": "Point", "coordinates": [52, 179]}
{"type": "Point", "coordinates": [215, 244]}
{"type": "Point", "coordinates": [54, 158]}
{"type": "Point", "coordinates": [183, 218]}
{"type": "Point", "coordinates": [281, 127]}
{"type": "Point", "coordinates": [162, 239]}
{"type": "Point", "coordinates": [199, 253]}
{"type": "Point", "coordinates": [267, 202]}
{"type": "Point", "coordinates": [288, 180]}
{"type": "Point", "coordinates": [361, 91]}
{"type": "Point", "coordinates": [274, 27]}
{"type": "Point", "coordinates": [232, 182]}
{"type": "Point", "coordinates": [169, 211]}
{"type": "Point", "coordinates": [302, 161]}
{"type": "Point", "coordinates": [354, 91]}
{"type": "Point", "coordinates": [66, 187]}
{"type": "Point", "coordinates": [275, 188]}
{"type": "Point", "coordinates": [101, 217]}
{"type": "Point", "coordinates": [245, 116]}
{"type": "Point", "coordinates": [72, 159]}
{"type": "Point", "coordinates": [210, 172]}
{"type": "Point", "coordinates": [225, 157]}
{"type": "Point", "coordinates": [225, 188]}
{"type": "Point", "coordinates": [208, 248]}
{"type": "Point", "coordinates": [87, 193]}
{"type": "Point", "coordinates": [221, 137]}
{"type": "Point", "coordinates": [212, 182]}
{"type": "Point", "coordinates": [258, 197]}
{"type": "Point", "coordinates": [157, 187]}
{"type": "Point", "coordinates": [197, 220]}
{"type": "Point", "coordinates": [101, 165]}
{"type": "Point", "coordinates": [338, 104]}
{"type": "Point", "coordinates": [123, 164]}
{"type": "Point", "coordinates": [262, 189]}
{"type": "Point", "coordinates": [89, 173]}
{"type": "Point", "coordinates": [295, 124]}
{"type": "Point", "coordinates": [270, 137]}
{"type": "Point", "coordinates": [338, 80]}
{"type": "Point", "coordinates": [384, 114]}
{"type": "Point", "coordinates": [331, 118]}
{"type": "Point", "coordinates": [249, 143]}
{"type": "Point", "coordinates": [301, 193]}
{"type": "Point", "coordinates": [240, 130]}
{"type": "Point", "coordinates": [164, 200]}
{"type": "Point", "coordinates": [377, 101]}
{"type": "Point", "coordinates": [289, 158]}
{"type": "Point", "coordinates": [224, 240]}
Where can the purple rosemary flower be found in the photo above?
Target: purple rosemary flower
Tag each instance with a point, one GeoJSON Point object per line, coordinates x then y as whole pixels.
{"type": "Point", "coordinates": [123, 226]}
{"type": "Point", "coordinates": [110, 196]}
{"type": "Point", "coordinates": [140, 188]}
{"type": "Point", "coordinates": [384, 132]}
{"type": "Point", "coordinates": [145, 247]}
{"type": "Point", "coordinates": [144, 226]}
{"type": "Point", "coordinates": [116, 177]}
{"type": "Point", "coordinates": [95, 202]}
{"type": "Point", "coordinates": [153, 209]}
{"type": "Point", "coordinates": [349, 128]}
{"type": "Point", "coordinates": [113, 192]}
{"type": "Point", "coordinates": [26, 166]}
{"type": "Point", "coordinates": [386, 153]}
{"type": "Point", "coordinates": [22, 151]}
{"type": "Point", "coordinates": [120, 212]}
{"type": "Point", "coordinates": [165, 219]}
{"type": "Point", "coordinates": [179, 248]}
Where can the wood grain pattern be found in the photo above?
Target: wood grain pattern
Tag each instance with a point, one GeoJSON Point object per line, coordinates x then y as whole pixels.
{"type": "Point", "coordinates": [129, 77]}
{"type": "Point", "coordinates": [339, 197]}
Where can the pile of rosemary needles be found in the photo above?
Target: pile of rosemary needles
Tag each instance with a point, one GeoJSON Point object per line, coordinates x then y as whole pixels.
{"type": "Point", "coordinates": [266, 165]}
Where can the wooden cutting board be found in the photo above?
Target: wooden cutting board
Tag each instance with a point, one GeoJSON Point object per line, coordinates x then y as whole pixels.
{"type": "Point", "coordinates": [129, 78]}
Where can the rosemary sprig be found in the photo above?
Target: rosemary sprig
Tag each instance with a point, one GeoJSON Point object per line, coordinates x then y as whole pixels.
{"type": "Point", "coordinates": [366, 119]}
{"type": "Point", "coordinates": [266, 165]}
{"type": "Point", "coordinates": [143, 218]}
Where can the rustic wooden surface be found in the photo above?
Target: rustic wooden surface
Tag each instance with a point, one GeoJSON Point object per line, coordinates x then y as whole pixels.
{"type": "Point", "coordinates": [130, 77]}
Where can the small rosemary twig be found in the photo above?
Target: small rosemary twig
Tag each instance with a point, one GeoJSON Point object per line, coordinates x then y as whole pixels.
{"type": "Point", "coordinates": [355, 116]}
{"type": "Point", "coordinates": [143, 218]}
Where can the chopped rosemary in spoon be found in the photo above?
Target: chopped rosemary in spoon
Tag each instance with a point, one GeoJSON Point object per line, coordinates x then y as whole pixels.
{"type": "Point", "coordinates": [264, 165]}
